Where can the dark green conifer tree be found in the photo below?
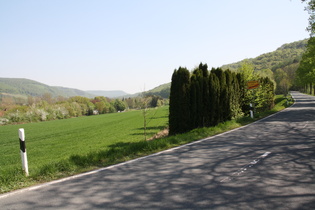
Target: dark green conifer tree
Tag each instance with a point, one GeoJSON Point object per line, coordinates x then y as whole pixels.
{"type": "Point", "coordinates": [205, 115]}
{"type": "Point", "coordinates": [179, 117]}
{"type": "Point", "coordinates": [174, 103]}
{"type": "Point", "coordinates": [242, 87]}
{"type": "Point", "coordinates": [223, 94]}
{"type": "Point", "coordinates": [193, 101]}
{"type": "Point", "coordinates": [214, 97]}
{"type": "Point", "coordinates": [229, 96]}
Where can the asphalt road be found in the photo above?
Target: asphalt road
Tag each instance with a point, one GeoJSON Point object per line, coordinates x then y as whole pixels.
{"type": "Point", "coordinates": [267, 165]}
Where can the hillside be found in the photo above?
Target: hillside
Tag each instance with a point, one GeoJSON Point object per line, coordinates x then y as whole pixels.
{"type": "Point", "coordinates": [162, 90]}
{"type": "Point", "coordinates": [26, 87]}
{"type": "Point", "coordinates": [285, 55]}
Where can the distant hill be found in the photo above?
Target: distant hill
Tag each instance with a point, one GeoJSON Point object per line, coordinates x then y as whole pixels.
{"type": "Point", "coordinates": [27, 87]}
{"type": "Point", "coordinates": [162, 90]}
{"type": "Point", "coordinates": [108, 93]}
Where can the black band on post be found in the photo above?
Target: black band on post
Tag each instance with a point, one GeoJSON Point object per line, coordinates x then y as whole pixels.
{"type": "Point", "coordinates": [22, 146]}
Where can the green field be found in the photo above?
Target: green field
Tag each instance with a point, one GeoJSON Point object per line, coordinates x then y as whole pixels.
{"type": "Point", "coordinates": [54, 141]}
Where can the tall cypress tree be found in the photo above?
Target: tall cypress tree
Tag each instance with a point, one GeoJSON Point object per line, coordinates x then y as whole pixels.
{"type": "Point", "coordinates": [193, 101]}
{"type": "Point", "coordinates": [229, 96]}
{"type": "Point", "coordinates": [223, 93]}
{"type": "Point", "coordinates": [179, 119]}
{"type": "Point", "coordinates": [174, 103]}
{"type": "Point", "coordinates": [214, 97]}
{"type": "Point", "coordinates": [242, 88]}
{"type": "Point", "coordinates": [205, 95]}
{"type": "Point", "coordinates": [235, 94]}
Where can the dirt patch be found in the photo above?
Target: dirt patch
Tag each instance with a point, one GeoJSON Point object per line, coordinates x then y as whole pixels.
{"type": "Point", "coordinates": [160, 134]}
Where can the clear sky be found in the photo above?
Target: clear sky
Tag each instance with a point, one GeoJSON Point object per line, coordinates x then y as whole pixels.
{"type": "Point", "coordinates": [132, 45]}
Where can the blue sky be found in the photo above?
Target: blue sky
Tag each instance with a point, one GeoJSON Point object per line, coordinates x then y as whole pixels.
{"type": "Point", "coordinates": [132, 45]}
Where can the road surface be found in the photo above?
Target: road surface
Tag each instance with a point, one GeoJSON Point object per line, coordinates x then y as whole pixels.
{"type": "Point", "coordinates": [267, 165]}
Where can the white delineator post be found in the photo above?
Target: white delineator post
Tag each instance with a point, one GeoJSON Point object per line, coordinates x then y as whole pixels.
{"type": "Point", "coordinates": [251, 110]}
{"type": "Point", "coordinates": [23, 151]}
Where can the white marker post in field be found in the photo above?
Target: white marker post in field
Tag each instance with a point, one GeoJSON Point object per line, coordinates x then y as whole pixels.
{"type": "Point", "coordinates": [23, 151]}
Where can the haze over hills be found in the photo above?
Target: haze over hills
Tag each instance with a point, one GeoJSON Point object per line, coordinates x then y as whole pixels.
{"type": "Point", "coordinates": [286, 57]}
{"type": "Point", "coordinates": [108, 93]}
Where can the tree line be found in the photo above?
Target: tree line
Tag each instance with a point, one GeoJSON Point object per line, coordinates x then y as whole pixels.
{"type": "Point", "coordinates": [47, 108]}
{"type": "Point", "coordinates": [306, 70]}
{"type": "Point", "coordinates": [204, 98]}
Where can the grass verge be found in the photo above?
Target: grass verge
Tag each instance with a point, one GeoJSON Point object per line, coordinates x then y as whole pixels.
{"type": "Point", "coordinates": [12, 178]}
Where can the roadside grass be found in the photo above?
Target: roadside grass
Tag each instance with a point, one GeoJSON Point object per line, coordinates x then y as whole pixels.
{"type": "Point", "coordinates": [80, 147]}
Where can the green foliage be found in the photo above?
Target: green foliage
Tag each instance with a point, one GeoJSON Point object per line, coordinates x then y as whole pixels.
{"type": "Point", "coordinates": [200, 102]}
{"type": "Point", "coordinates": [119, 105]}
{"type": "Point", "coordinates": [223, 100]}
{"type": "Point", "coordinates": [306, 70]}
{"type": "Point", "coordinates": [214, 98]}
{"type": "Point", "coordinates": [179, 120]}
{"type": "Point", "coordinates": [264, 95]}
{"type": "Point", "coordinates": [311, 10]}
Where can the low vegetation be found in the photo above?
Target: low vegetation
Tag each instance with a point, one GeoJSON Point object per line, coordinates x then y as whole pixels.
{"type": "Point", "coordinates": [62, 148]}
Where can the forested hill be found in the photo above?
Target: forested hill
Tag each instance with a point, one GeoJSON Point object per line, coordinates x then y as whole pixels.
{"type": "Point", "coordinates": [16, 86]}
{"type": "Point", "coordinates": [162, 90]}
{"type": "Point", "coordinates": [285, 55]}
